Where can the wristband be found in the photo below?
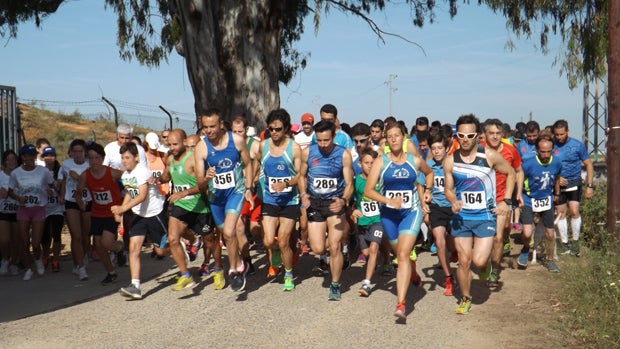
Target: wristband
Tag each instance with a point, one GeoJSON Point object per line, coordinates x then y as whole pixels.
{"type": "Point", "coordinates": [508, 202]}
{"type": "Point", "coordinates": [590, 185]}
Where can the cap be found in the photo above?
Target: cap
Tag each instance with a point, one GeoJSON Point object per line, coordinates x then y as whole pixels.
{"type": "Point", "coordinates": [28, 149]}
{"type": "Point", "coordinates": [48, 151]}
{"type": "Point", "coordinates": [307, 117]}
{"type": "Point", "coordinates": [295, 128]}
{"type": "Point", "coordinates": [251, 132]}
{"type": "Point", "coordinates": [152, 139]}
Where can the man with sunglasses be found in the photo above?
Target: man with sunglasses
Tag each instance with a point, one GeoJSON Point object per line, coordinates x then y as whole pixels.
{"type": "Point", "coordinates": [470, 188]}
{"type": "Point", "coordinates": [493, 135]}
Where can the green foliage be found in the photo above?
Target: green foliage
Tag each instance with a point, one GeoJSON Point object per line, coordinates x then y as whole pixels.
{"type": "Point", "coordinates": [582, 24]}
{"type": "Point", "coordinates": [591, 298]}
{"type": "Point", "coordinates": [591, 294]}
{"type": "Point", "coordinates": [14, 12]}
{"type": "Point", "coordinates": [594, 216]}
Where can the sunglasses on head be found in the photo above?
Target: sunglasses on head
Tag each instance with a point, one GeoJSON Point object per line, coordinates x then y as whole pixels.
{"type": "Point", "coordinates": [461, 135]}
{"type": "Point", "coordinates": [275, 129]}
{"type": "Point", "coordinates": [360, 140]}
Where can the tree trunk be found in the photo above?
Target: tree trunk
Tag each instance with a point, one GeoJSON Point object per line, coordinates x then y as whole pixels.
{"type": "Point", "coordinates": [232, 54]}
{"type": "Point", "coordinates": [613, 104]}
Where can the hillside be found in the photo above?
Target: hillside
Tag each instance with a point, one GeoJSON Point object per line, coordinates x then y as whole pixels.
{"type": "Point", "coordinates": [60, 129]}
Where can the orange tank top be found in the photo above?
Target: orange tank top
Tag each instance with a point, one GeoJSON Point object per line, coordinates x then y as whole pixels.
{"type": "Point", "coordinates": [105, 193]}
{"type": "Point", "coordinates": [157, 167]}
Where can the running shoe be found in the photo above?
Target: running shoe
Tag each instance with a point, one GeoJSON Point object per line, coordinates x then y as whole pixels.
{"type": "Point", "coordinates": [304, 250]}
{"type": "Point", "coordinates": [565, 248]}
{"type": "Point", "coordinates": [121, 259]}
{"type": "Point", "coordinates": [365, 290]}
{"type": "Point", "coordinates": [388, 270]}
{"type": "Point", "coordinates": [552, 267]}
{"type": "Point", "coordinates": [4, 267]}
{"type": "Point", "coordinates": [40, 266]}
{"type": "Point", "coordinates": [194, 248]}
{"type": "Point", "coordinates": [507, 248]}
{"type": "Point", "coordinates": [484, 274]}
{"type": "Point", "coordinates": [45, 261]}
{"type": "Point", "coordinates": [289, 285]}
{"type": "Point", "coordinates": [218, 280]}
{"type": "Point", "coordinates": [131, 291]}
{"type": "Point", "coordinates": [334, 292]}
{"type": "Point", "coordinates": [361, 259]}
{"type": "Point", "coordinates": [272, 272]}
{"type": "Point", "coordinates": [574, 248]}
{"type": "Point", "coordinates": [464, 306]}
{"type": "Point", "coordinates": [251, 270]}
{"type": "Point", "coordinates": [416, 280]}
{"type": "Point", "coordinates": [523, 259]}
{"type": "Point", "coordinates": [321, 269]}
{"type": "Point", "coordinates": [82, 275]}
{"type": "Point", "coordinates": [493, 279]}
{"type": "Point", "coordinates": [412, 256]}
{"type": "Point", "coordinates": [205, 269]}
{"type": "Point", "coordinates": [517, 226]}
{"type": "Point", "coordinates": [399, 312]}
{"type": "Point", "coordinates": [55, 266]}
{"type": "Point", "coordinates": [95, 256]}
{"type": "Point", "coordinates": [110, 278]}
{"type": "Point", "coordinates": [346, 262]}
{"type": "Point", "coordinates": [183, 282]}
{"type": "Point", "coordinates": [28, 275]}
{"type": "Point", "coordinates": [433, 248]}
{"type": "Point", "coordinates": [449, 286]}
{"type": "Point", "coordinates": [237, 283]}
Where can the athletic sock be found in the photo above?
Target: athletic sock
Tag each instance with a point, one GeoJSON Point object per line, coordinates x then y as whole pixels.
{"type": "Point", "coordinates": [424, 229]}
{"type": "Point", "coordinates": [563, 230]}
{"type": "Point", "coordinates": [136, 282]}
{"type": "Point", "coordinates": [288, 273]}
{"type": "Point", "coordinates": [186, 274]}
{"type": "Point", "coordinates": [575, 224]}
{"type": "Point", "coordinates": [366, 282]}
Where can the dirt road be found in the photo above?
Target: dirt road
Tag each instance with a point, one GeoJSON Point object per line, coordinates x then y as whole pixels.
{"type": "Point", "coordinates": [518, 315]}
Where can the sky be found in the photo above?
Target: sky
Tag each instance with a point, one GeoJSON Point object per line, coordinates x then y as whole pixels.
{"type": "Point", "coordinates": [72, 61]}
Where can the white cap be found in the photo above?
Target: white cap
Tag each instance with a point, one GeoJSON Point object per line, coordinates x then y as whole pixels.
{"type": "Point", "coordinates": [251, 132]}
{"type": "Point", "coordinates": [152, 139]}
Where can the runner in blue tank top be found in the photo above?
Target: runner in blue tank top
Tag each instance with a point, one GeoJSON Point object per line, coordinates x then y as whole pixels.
{"type": "Point", "coordinates": [401, 212]}
{"type": "Point", "coordinates": [326, 184]}
{"type": "Point", "coordinates": [280, 162]}
{"type": "Point", "coordinates": [540, 189]}
{"type": "Point", "coordinates": [573, 154]}
{"type": "Point", "coordinates": [470, 188]}
{"type": "Point", "coordinates": [218, 158]}
{"type": "Point", "coordinates": [440, 208]}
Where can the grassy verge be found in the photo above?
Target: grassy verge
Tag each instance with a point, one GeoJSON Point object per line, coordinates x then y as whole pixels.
{"type": "Point", "coordinates": [590, 292]}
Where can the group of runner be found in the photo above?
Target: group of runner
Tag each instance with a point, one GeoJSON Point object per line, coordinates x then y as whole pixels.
{"type": "Point", "coordinates": [376, 187]}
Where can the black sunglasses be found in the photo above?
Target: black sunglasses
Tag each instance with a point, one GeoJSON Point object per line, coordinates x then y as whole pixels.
{"type": "Point", "coordinates": [360, 140]}
{"type": "Point", "coordinates": [275, 129]}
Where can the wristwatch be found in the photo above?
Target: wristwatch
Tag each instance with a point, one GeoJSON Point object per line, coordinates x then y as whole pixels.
{"type": "Point", "coordinates": [508, 202]}
{"type": "Point", "coordinates": [590, 185]}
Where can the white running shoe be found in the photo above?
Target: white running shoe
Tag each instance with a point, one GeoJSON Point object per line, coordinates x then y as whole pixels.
{"type": "Point", "coordinates": [40, 267]}
{"type": "Point", "coordinates": [28, 275]}
{"type": "Point", "coordinates": [82, 274]}
{"type": "Point", "coordinates": [75, 270]}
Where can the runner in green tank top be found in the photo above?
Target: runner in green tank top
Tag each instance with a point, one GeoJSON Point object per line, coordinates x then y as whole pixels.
{"type": "Point", "coordinates": [188, 210]}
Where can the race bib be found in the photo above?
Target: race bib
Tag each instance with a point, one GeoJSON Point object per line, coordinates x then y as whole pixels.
{"type": "Point", "coordinates": [84, 194]}
{"type": "Point", "coordinates": [540, 205]}
{"type": "Point", "coordinates": [52, 200]}
{"type": "Point", "coordinates": [407, 196]}
{"type": "Point", "coordinates": [225, 180]}
{"type": "Point", "coordinates": [102, 197]}
{"type": "Point", "coordinates": [180, 188]}
{"type": "Point", "coordinates": [474, 200]}
{"type": "Point", "coordinates": [32, 200]}
{"type": "Point", "coordinates": [439, 183]}
{"type": "Point", "coordinates": [133, 193]}
{"type": "Point", "coordinates": [369, 208]}
{"type": "Point", "coordinates": [9, 207]}
{"type": "Point", "coordinates": [325, 185]}
{"type": "Point", "coordinates": [273, 180]}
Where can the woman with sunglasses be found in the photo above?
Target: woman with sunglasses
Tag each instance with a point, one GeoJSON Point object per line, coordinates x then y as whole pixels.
{"type": "Point", "coordinates": [401, 209]}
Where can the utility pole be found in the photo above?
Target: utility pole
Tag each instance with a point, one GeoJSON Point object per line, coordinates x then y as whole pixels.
{"type": "Point", "coordinates": [613, 105]}
{"type": "Point", "coordinates": [105, 100]}
{"type": "Point", "coordinates": [391, 90]}
{"type": "Point", "coordinates": [168, 113]}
